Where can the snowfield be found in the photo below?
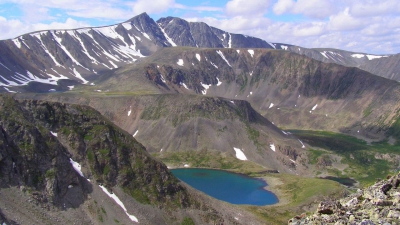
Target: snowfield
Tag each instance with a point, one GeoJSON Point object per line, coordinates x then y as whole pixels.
{"type": "Point", "coordinates": [180, 62]}
{"type": "Point", "coordinates": [272, 146]}
{"type": "Point", "coordinates": [77, 167]}
{"type": "Point", "coordinates": [120, 203]}
{"type": "Point", "coordinates": [239, 154]}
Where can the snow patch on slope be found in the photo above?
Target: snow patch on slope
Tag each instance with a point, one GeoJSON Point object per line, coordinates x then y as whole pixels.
{"type": "Point", "coordinates": [39, 37]}
{"type": "Point", "coordinates": [113, 64]}
{"type": "Point", "coordinates": [72, 33]}
{"type": "Point", "coordinates": [17, 42]}
{"type": "Point", "coordinates": [315, 106]}
{"type": "Point", "coordinates": [5, 66]}
{"type": "Point", "coordinates": [9, 90]}
{"type": "Point", "coordinates": [29, 77]}
{"type": "Point", "coordinates": [251, 52]}
{"type": "Point", "coordinates": [77, 167]}
{"type": "Point", "coordinates": [79, 76]}
{"type": "Point", "coordinates": [162, 79]}
{"type": "Point", "coordinates": [130, 110]}
{"type": "Point", "coordinates": [198, 57]}
{"type": "Point", "coordinates": [214, 65]}
{"type": "Point", "coordinates": [301, 144]}
{"type": "Point", "coordinates": [127, 25]}
{"type": "Point", "coordinates": [180, 62]}
{"type": "Point", "coordinates": [223, 57]}
{"type": "Point", "coordinates": [271, 105]}
{"type": "Point", "coordinates": [324, 54]}
{"type": "Point", "coordinates": [59, 40]}
{"type": "Point", "coordinates": [272, 146]}
{"type": "Point", "coordinates": [206, 87]}
{"type": "Point", "coordinates": [239, 154]}
{"type": "Point", "coordinates": [167, 37]}
{"type": "Point", "coordinates": [371, 57]}
{"type": "Point", "coordinates": [359, 56]}
{"type": "Point", "coordinates": [120, 203]}
{"type": "Point", "coordinates": [135, 133]}
{"type": "Point", "coordinates": [230, 41]}
{"type": "Point", "coordinates": [184, 85]}
{"type": "Point", "coordinates": [219, 82]}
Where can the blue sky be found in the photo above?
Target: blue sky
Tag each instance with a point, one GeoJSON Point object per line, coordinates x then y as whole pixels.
{"type": "Point", "coordinates": [369, 26]}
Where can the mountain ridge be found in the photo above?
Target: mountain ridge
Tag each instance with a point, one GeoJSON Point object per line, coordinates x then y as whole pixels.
{"type": "Point", "coordinates": [278, 84]}
{"type": "Point", "coordinates": [189, 123]}
{"type": "Point", "coordinates": [58, 60]}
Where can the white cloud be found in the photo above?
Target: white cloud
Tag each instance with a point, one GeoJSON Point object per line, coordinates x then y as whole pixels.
{"type": "Point", "coordinates": [155, 6]}
{"type": "Point", "coordinates": [345, 21]}
{"type": "Point", "coordinates": [314, 8]}
{"type": "Point", "coordinates": [283, 6]}
{"type": "Point", "coordinates": [375, 7]}
{"type": "Point", "coordinates": [310, 29]}
{"type": "Point", "coordinates": [246, 7]}
{"type": "Point", "coordinates": [101, 12]}
{"type": "Point", "coordinates": [33, 13]}
{"type": "Point", "coordinates": [13, 28]}
{"type": "Point", "coordinates": [237, 24]}
{"type": "Point", "coordinates": [371, 26]}
{"type": "Point", "coordinates": [68, 24]}
{"type": "Point", "coordinates": [60, 4]}
{"type": "Point", "coordinates": [8, 28]}
{"type": "Point", "coordinates": [310, 8]}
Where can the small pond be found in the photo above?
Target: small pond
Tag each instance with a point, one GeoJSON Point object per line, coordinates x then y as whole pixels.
{"type": "Point", "coordinates": [227, 186]}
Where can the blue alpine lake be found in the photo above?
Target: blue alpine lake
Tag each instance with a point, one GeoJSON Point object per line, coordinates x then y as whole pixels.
{"type": "Point", "coordinates": [227, 186]}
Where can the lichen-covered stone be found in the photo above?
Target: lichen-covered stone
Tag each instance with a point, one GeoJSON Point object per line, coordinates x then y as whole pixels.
{"type": "Point", "coordinates": [377, 204]}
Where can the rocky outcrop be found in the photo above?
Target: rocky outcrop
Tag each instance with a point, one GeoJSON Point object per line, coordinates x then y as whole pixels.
{"type": "Point", "coordinates": [39, 138]}
{"type": "Point", "coordinates": [387, 66]}
{"type": "Point", "coordinates": [200, 35]}
{"type": "Point", "coordinates": [324, 161]}
{"type": "Point", "coordinates": [377, 204]}
{"type": "Point", "coordinates": [34, 160]}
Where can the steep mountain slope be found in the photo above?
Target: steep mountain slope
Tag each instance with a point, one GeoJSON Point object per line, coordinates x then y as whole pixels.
{"type": "Point", "coordinates": [200, 35]}
{"type": "Point", "coordinates": [79, 55]}
{"type": "Point", "coordinates": [293, 91]}
{"type": "Point", "coordinates": [168, 124]}
{"type": "Point", "coordinates": [387, 66]}
{"type": "Point", "coordinates": [62, 161]}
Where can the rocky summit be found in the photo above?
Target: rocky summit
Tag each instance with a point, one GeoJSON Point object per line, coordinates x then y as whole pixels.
{"type": "Point", "coordinates": [377, 204]}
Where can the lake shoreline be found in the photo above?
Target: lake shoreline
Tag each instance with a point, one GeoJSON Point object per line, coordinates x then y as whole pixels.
{"type": "Point", "coordinates": [273, 184]}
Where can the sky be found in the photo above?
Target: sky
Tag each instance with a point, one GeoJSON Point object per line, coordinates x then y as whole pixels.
{"type": "Point", "coordinates": [367, 26]}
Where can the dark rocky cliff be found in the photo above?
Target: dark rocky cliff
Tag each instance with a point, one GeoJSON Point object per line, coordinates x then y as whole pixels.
{"type": "Point", "coordinates": [33, 157]}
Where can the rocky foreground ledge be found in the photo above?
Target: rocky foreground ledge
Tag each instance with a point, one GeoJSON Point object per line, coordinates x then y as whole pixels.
{"type": "Point", "coordinates": [377, 204]}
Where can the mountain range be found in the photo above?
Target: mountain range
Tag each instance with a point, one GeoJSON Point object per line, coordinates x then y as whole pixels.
{"type": "Point", "coordinates": [111, 99]}
{"type": "Point", "coordinates": [62, 58]}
